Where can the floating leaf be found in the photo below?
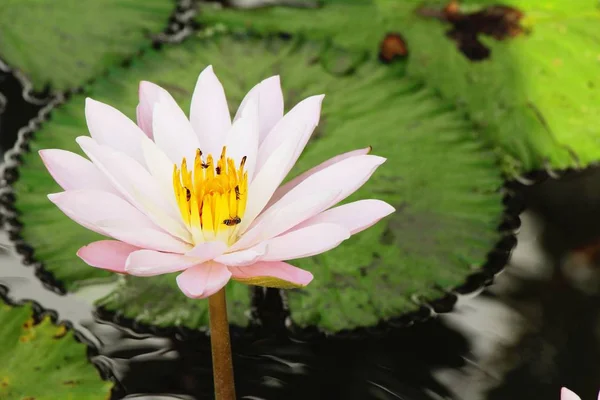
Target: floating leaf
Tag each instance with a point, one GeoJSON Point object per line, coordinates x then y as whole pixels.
{"type": "Point", "coordinates": [44, 361]}
{"type": "Point", "coordinates": [65, 43]}
{"type": "Point", "coordinates": [443, 183]}
{"type": "Point", "coordinates": [159, 302]}
{"type": "Point", "coordinates": [536, 96]}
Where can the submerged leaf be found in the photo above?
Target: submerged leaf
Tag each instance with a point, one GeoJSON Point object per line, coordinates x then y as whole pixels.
{"type": "Point", "coordinates": [44, 361]}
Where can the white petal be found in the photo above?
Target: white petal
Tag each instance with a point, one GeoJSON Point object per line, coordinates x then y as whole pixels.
{"type": "Point", "coordinates": [207, 250]}
{"type": "Point", "coordinates": [279, 219]}
{"type": "Point", "coordinates": [160, 167]}
{"type": "Point", "coordinates": [347, 176]}
{"type": "Point", "coordinates": [243, 257]}
{"type": "Point", "coordinates": [108, 126]}
{"type": "Point", "coordinates": [265, 182]}
{"type": "Point", "coordinates": [112, 216]}
{"type": "Point", "coordinates": [566, 394]}
{"type": "Point", "coordinates": [149, 94]}
{"type": "Point", "coordinates": [269, 97]}
{"type": "Point", "coordinates": [137, 186]}
{"type": "Point", "coordinates": [242, 139]}
{"type": "Point", "coordinates": [209, 112]}
{"type": "Point", "coordinates": [173, 132]}
{"type": "Point", "coordinates": [355, 217]}
{"type": "Point", "coordinates": [71, 171]}
{"type": "Point", "coordinates": [305, 114]}
{"type": "Point", "coordinates": [305, 242]}
{"type": "Point", "coordinates": [286, 187]}
{"type": "Point", "coordinates": [151, 263]}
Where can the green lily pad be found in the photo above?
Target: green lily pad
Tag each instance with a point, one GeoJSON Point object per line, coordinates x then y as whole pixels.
{"type": "Point", "coordinates": [536, 97]}
{"type": "Point", "coordinates": [65, 43]}
{"type": "Point", "coordinates": [44, 361]}
{"type": "Point", "coordinates": [159, 302]}
{"type": "Point", "coordinates": [442, 181]}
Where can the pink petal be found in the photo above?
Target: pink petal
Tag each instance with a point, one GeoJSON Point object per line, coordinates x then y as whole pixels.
{"type": "Point", "coordinates": [355, 217]}
{"type": "Point", "coordinates": [242, 139]}
{"type": "Point", "coordinates": [265, 182]}
{"type": "Point", "coordinates": [277, 220]}
{"type": "Point", "coordinates": [209, 112]}
{"type": "Point", "coordinates": [108, 126]}
{"type": "Point", "coordinates": [207, 251]}
{"type": "Point", "coordinates": [142, 120]}
{"type": "Point", "coordinates": [149, 94]}
{"type": "Point", "coordinates": [107, 254]}
{"type": "Point", "coordinates": [151, 263]}
{"type": "Point", "coordinates": [243, 257]}
{"type": "Point", "coordinates": [269, 98]}
{"type": "Point", "coordinates": [203, 280]}
{"type": "Point", "coordinates": [137, 186]}
{"type": "Point", "coordinates": [347, 176]}
{"type": "Point", "coordinates": [71, 171]}
{"type": "Point", "coordinates": [566, 394]}
{"type": "Point", "coordinates": [275, 274]}
{"type": "Point", "coordinates": [305, 114]}
{"type": "Point", "coordinates": [305, 242]}
{"type": "Point", "coordinates": [283, 189]}
{"type": "Point", "coordinates": [160, 167]}
{"type": "Point", "coordinates": [110, 215]}
{"type": "Point", "coordinates": [172, 131]}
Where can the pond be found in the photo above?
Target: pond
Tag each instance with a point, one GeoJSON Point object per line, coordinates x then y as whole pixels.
{"type": "Point", "coordinates": [484, 284]}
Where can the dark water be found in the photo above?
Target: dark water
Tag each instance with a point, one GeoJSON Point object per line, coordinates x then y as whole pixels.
{"type": "Point", "coordinates": [535, 330]}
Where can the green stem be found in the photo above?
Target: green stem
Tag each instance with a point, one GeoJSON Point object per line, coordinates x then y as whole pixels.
{"type": "Point", "coordinates": [221, 347]}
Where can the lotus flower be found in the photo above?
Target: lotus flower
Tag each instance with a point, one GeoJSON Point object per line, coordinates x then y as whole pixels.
{"type": "Point", "coordinates": [566, 394]}
{"type": "Point", "coordinates": [203, 195]}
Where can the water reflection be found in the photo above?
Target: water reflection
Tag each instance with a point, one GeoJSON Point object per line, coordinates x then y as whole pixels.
{"type": "Point", "coordinates": [537, 328]}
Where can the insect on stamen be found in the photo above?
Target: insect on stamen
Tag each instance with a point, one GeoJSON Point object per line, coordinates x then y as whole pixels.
{"type": "Point", "coordinates": [211, 197]}
{"type": "Point", "coordinates": [232, 221]}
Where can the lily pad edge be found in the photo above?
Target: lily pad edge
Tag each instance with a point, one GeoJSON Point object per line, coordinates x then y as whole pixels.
{"type": "Point", "coordinates": [178, 26]}
{"type": "Point", "coordinates": [39, 313]}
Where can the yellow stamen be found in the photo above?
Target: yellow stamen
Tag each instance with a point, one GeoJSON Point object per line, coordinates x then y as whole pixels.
{"type": "Point", "coordinates": [212, 196]}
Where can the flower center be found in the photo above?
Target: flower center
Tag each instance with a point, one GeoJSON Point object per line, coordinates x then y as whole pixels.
{"type": "Point", "coordinates": [211, 198]}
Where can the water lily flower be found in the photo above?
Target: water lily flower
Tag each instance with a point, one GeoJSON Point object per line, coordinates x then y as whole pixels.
{"type": "Point", "coordinates": [203, 196]}
{"type": "Point", "coordinates": [566, 394]}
